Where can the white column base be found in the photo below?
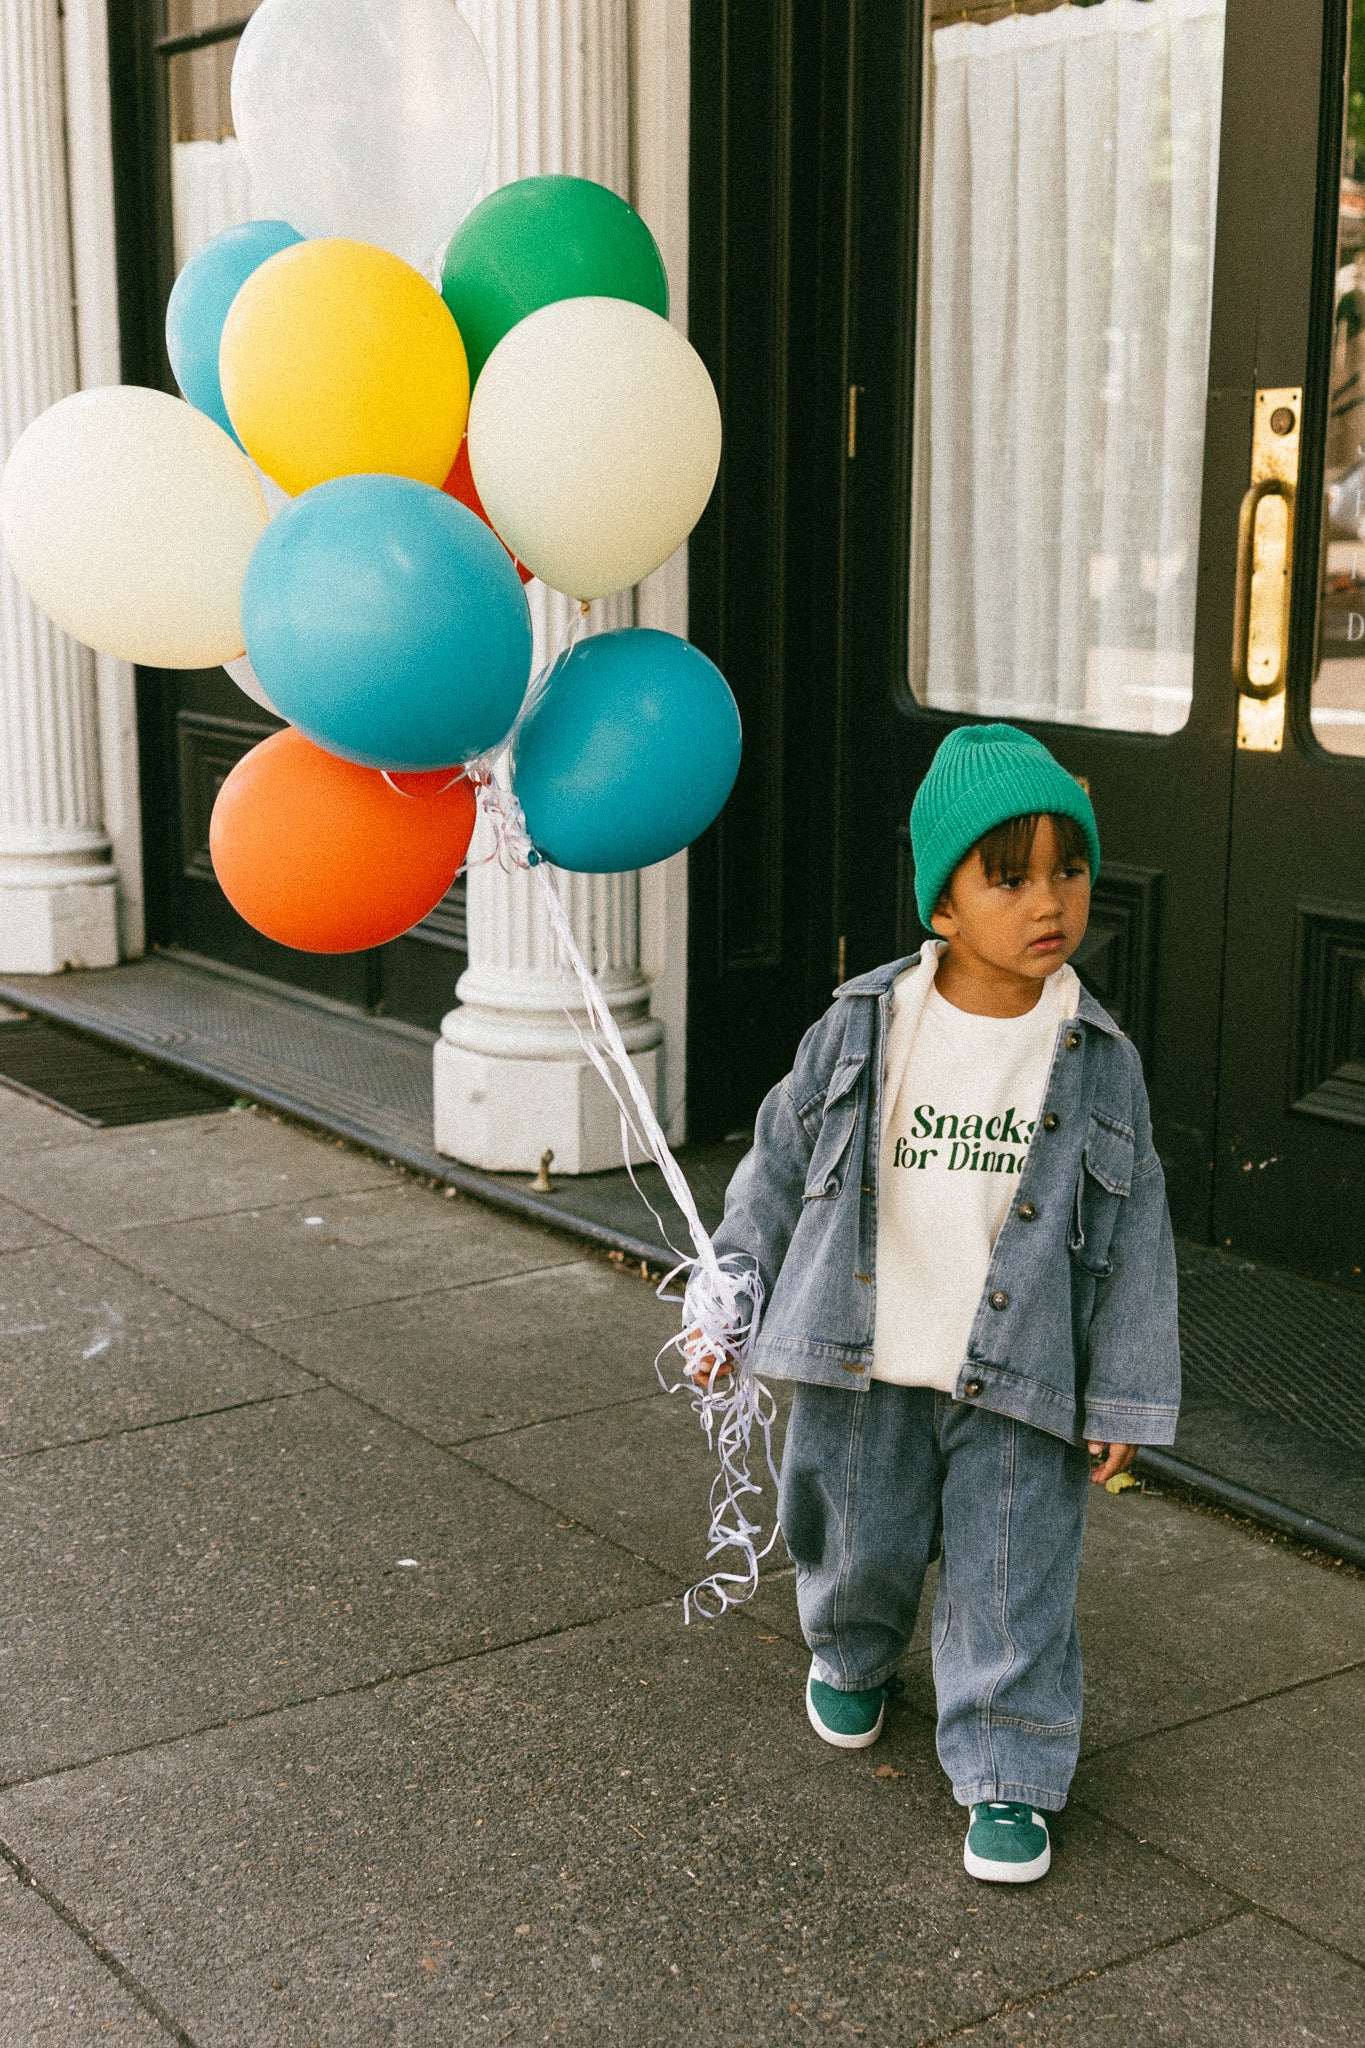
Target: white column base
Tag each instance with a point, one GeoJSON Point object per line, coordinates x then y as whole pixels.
{"type": "Point", "coordinates": [502, 1114]}
{"type": "Point", "coordinates": [58, 912]}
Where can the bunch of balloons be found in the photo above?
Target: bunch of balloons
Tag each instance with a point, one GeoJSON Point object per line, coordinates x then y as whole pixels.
{"type": "Point", "coordinates": [364, 472]}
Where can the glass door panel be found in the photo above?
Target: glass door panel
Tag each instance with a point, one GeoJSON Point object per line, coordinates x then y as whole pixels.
{"type": "Point", "coordinates": [1068, 196]}
{"type": "Point", "coordinates": [210, 184]}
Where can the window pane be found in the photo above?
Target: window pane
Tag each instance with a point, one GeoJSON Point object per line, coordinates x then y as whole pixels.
{"type": "Point", "coordinates": [1338, 708]}
{"type": "Point", "coordinates": [1068, 194]}
{"type": "Point", "coordinates": [210, 187]}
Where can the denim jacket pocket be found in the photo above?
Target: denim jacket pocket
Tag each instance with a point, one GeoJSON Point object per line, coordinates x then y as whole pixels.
{"type": "Point", "coordinates": [1105, 1180]}
{"type": "Point", "coordinates": [838, 1122]}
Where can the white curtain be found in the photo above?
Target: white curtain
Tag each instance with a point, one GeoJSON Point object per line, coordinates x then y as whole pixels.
{"type": "Point", "coordinates": [1070, 228]}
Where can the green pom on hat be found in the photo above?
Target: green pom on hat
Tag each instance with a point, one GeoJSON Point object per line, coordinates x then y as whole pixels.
{"type": "Point", "coordinates": [981, 776]}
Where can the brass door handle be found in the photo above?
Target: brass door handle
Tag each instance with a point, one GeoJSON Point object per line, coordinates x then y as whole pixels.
{"type": "Point", "coordinates": [1258, 670]}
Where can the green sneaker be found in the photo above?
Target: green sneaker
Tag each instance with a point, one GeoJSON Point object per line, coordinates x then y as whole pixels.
{"type": "Point", "coordinates": [1007, 1842]}
{"type": "Point", "coordinates": [850, 1720]}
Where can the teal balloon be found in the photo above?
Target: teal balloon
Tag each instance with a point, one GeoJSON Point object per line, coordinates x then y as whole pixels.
{"type": "Point", "coordinates": [199, 302]}
{"type": "Point", "coordinates": [543, 239]}
{"type": "Point", "coordinates": [629, 755]}
{"type": "Point", "coordinates": [387, 623]}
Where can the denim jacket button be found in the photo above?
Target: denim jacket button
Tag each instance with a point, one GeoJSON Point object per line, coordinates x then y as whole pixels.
{"type": "Point", "coordinates": [1073, 1039]}
{"type": "Point", "coordinates": [972, 1389]}
{"type": "Point", "coordinates": [999, 1298]}
{"type": "Point", "coordinates": [1028, 1211]}
{"type": "Point", "coordinates": [1051, 1120]}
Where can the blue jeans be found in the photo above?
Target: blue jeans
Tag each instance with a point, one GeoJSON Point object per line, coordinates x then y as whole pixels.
{"type": "Point", "coordinates": [871, 1484]}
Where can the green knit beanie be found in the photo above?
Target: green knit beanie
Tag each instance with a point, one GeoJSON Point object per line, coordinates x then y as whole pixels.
{"type": "Point", "coordinates": [981, 776]}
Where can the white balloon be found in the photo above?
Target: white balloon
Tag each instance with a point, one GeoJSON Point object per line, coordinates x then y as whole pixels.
{"type": "Point", "coordinates": [129, 518]}
{"type": "Point", "coordinates": [594, 439]}
{"type": "Point", "coordinates": [369, 119]}
{"type": "Point", "coordinates": [249, 683]}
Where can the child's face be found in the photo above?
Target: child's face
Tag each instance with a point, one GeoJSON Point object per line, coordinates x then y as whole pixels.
{"type": "Point", "coordinates": [1026, 923]}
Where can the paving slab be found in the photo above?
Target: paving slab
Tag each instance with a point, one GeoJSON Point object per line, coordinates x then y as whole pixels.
{"type": "Point", "coordinates": [29, 1126]}
{"type": "Point", "coordinates": [1260, 1799]}
{"type": "Point", "coordinates": [19, 1230]}
{"type": "Point", "coordinates": [176, 1576]}
{"type": "Point", "coordinates": [1183, 1613]}
{"type": "Point", "coordinates": [495, 1355]}
{"type": "Point", "coordinates": [641, 1472]}
{"type": "Point", "coordinates": [105, 1182]}
{"type": "Point", "coordinates": [1250, 1984]}
{"type": "Point", "coordinates": [86, 1347]}
{"type": "Point", "coordinates": [259, 1266]}
{"type": "Point", "coordinates": [624, 1833]}
{"type": "Point", "coordinates": [54, 1990]}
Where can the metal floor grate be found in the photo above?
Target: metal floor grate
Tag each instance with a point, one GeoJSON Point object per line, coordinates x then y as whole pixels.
{"type": "Point", "coordinates": [1272, 1343]}
{"type": "Point", "coordinates": [314, 1058]}
{"type": "Point", "coordinates": [94, 1082]}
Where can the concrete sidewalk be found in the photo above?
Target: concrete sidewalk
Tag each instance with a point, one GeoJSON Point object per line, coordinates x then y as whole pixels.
{"type": "Point", "coordinates": [345, 1697]}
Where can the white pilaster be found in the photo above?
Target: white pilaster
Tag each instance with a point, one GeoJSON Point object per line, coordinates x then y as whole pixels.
{"type": "Point", "coordinates": [57, 882]}
{"type": "Point", "coordinates": [661, 108]}
{"type": "Point", "coordinates": [511, 1080]}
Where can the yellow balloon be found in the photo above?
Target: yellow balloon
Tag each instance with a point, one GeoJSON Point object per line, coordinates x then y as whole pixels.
{"type": "Point", "coordinates": [129, 518]}
{"type": "Point", "coordinates": [337, 359]}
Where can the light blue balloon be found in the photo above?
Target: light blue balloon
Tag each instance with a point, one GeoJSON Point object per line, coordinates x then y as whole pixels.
{"type": "Point", "coordinates": [629, 755]}
{"type": "Point", "coordinates": [387, 623]}
{"type": "Point", "coordinates": [199, 302]}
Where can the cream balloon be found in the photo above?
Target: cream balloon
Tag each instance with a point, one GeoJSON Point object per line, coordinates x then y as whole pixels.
{"type": "Point", "coordinates": [368, 119]}
{"type": "Point", "coordinates": [129, 518]}
{"type": "Point", "coordinates": [594, 439]}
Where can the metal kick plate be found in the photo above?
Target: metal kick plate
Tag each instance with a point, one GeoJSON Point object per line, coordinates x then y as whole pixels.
{"type": "Point", "coordinates": [1274, 457]}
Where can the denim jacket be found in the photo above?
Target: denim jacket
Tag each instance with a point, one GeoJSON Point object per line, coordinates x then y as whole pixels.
{"type": "Point", "coordinates": [1075, 1331]}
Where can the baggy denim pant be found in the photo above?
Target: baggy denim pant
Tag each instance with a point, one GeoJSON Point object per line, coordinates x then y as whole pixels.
{"type": "Point", "coordinates": [869, 1483]}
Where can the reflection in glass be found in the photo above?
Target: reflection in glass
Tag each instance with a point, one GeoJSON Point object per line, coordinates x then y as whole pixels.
{"type": "Point", "coordinates": [1338, 707]}
{"type": "Point", "coordinates": [1069, 199]}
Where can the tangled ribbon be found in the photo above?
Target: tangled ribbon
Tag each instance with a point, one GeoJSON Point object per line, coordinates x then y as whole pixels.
{"type": "Point", "coordinates": [723, 1299]}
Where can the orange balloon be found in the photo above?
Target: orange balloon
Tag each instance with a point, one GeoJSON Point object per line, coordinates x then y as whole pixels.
{"type": "Point", "coordinates": [325, 856]}
{"type": "Point", "coordinates": [460, 484]}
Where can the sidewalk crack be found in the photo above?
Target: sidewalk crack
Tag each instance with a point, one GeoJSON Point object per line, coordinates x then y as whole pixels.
{"type": "Point", "coordinates": [133, 1985]}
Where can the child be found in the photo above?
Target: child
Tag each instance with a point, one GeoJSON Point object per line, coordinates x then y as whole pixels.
{"type": "Point", "coordinates": [962, 1232]}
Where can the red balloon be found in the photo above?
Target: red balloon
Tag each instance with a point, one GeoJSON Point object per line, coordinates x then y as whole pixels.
{"type": "Point", "coordinates": [324, 856]}
{"type": "Point", "coordinates": [460, 484]}
{"type": "Point", "coordinates": [422, 781]}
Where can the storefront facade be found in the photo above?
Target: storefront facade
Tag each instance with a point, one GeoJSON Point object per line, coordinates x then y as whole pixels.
{"type": "Point", "coordinates": [1040, 343]}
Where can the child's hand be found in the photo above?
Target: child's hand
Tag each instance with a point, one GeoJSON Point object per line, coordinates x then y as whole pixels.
{"type": "Point", "coordinates": [702, 1362]}
{"type": "Point", "coordinates": [1112, 1458]}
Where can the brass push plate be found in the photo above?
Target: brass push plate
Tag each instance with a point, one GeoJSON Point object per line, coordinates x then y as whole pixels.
{"type": "Point", "coordinates": [1274, 459]}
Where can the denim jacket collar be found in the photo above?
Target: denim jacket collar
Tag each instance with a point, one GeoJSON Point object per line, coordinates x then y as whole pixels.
{"type": "Point", "coordinates": [880, 980]}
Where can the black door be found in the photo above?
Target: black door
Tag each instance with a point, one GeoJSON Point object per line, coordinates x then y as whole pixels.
{"type": "Point", "coordinates": [178, 178]}
{"type": "Point", "coordinates": [1079, 377]}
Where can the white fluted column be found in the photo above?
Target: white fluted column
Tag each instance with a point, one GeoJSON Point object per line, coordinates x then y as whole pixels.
{"type": "Point", "coordinates": [511, 1079]}
{"type": "Point", "coordinates": [57, 883]}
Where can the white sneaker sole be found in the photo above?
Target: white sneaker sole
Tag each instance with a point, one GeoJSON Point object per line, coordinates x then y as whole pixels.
{"type": "Point", "coordinates": [1007, 1873]}
{"type": "Point", "coordinates": [841, 1741]}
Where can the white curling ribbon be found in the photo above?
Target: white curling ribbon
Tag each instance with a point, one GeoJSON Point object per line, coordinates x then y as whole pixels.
{"type": "Point", "coordinates": [724, 1297]}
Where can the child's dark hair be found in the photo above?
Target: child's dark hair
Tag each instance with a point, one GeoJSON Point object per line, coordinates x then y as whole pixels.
{"type": "Point", "coordinates": [1005, 849]}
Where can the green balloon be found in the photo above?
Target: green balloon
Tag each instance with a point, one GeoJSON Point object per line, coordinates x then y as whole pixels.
{"type": "Point", "coordinates": [543, 239]}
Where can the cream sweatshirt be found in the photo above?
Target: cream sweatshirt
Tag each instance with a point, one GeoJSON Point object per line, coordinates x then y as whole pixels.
{"type": "Point", "coordinates": [960, 1097]}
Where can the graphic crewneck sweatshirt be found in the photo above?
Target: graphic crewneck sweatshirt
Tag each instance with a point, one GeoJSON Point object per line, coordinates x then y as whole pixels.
{"type": "Point", "coordinates": [960, 1098]}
